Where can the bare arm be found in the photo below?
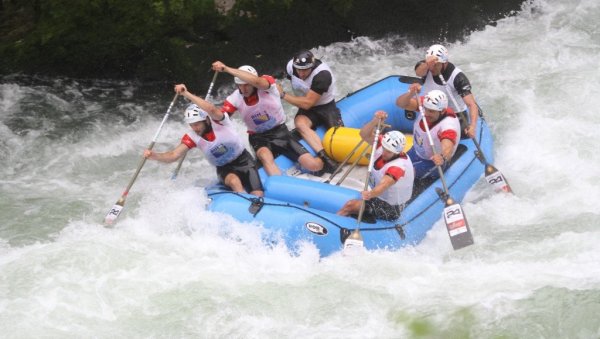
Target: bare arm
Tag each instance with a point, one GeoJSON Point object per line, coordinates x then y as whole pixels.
{"type": "Point", "coordinates": [473, 111]}
{"type": "Point", "coordinates": [169, 156]}
{"type": "Point", "coordinates": [368, 130]}
{"type": "Point", "coordinates": [445, 153]}
{"type": "Point", "coordinates": [407, 100]}
{"type": "Point", "coordinates": [306, 102]}
{"type": "Point", "coordinates": [213, 111]}
{"type": "Point", "coordinates": [256, 81]}
{"type": "Point", "coordinates": [421, 69]}
{"type": "Point", "coordinates": [385, 183]}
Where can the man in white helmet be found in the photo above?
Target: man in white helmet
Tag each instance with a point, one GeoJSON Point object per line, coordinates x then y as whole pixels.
{"type": "Point", "coordinates": [438, 73]}
{"type": "Point", "coordinates": [391, 179]}
{"type": "Point", "coordinates": [314, 95]}
{"type": "Point", "coordinates": [216, 137]}
{"type": "Point", "coordinates": [443, 126]}
{"type": "Point", "coordinates": [258, 102]}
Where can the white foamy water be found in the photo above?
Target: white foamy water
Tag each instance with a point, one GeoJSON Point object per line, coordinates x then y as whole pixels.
{"type": "Point", "coordinates": [172, 269]}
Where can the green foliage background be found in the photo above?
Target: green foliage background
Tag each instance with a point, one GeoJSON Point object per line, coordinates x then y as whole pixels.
{"type": "Point", "coordinates": [176, 40]}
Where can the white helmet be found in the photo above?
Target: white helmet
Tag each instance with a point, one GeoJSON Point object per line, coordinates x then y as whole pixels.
{"type": "Point", "coordinates": [248, 69]}
{"type": "Point", "coordinates": [393, 141]}
{"type": "Point", "coordinates": [436, 100]}
{"type": "Point", "coordinates": [193, 113]}
{"type": "Point", "coordinates": [439, 51]}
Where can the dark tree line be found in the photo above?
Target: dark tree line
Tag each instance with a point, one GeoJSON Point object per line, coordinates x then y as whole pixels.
{"type": "Point", "coordinates": [176, 40]}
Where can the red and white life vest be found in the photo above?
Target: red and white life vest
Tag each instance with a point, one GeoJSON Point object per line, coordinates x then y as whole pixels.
{"type": "Point", "coordinates": [401, 190]}
{"type": "Point", "coordinates": [301, 87]}
{"type": "Point", "coordinates": [226, 146]}
{"type": "Point", "coordinates": [264, 114]}
{"type": "Point", "coordinates": [440, 131]}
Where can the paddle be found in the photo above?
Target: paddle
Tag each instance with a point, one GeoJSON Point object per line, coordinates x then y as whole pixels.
{"type": "Point", "coordinates": [355, 239]}
{"type": "Point", "coordinates": [339, 168]}
{"type": "Point", "coordinates": [207, 97]}
{"type": "Point", "coordinates": [114, 212]}
{"type": "Point", "coordinates": [354, 163]}
{"type": "Point", "coordinates": [492, 175]}
{"type": "Point", "coordinates": [456, 222]}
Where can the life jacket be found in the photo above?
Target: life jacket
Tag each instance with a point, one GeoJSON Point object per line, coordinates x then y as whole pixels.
{"type": "Point", "coordinates": [401, 191]}
{"type": "Point", "coordinates": [301, 87]}
{"type": "Point", "coordinates": [225, 147]}
{"type": "Point", "coordinates": [262, 115]}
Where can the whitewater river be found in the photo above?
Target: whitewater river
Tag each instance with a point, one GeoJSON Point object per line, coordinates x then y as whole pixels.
{"type": "Point", "coordinates": [171, 269]}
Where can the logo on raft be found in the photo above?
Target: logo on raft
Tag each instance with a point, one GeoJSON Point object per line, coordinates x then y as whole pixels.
{"type": "Point", "coordinates": [316, 228]}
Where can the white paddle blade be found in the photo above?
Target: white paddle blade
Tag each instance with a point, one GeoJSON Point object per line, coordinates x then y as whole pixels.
{"type": "Point", "coordinates": [497, 180]}
{"type": "Point", "coordinates": [354, 244]}
{"type": "Point", "coordinates": [113, 214]}
{"type": "Point", "coordinates": [457, 226]}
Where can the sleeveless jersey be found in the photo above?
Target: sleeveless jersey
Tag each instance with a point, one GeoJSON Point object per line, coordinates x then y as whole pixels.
{"type": "Point", "coordinates": [226, 146]}
{"type": "Point", "coordinates": [421, 142]}
{"type": "Point", "coordinates": [301, 87]}
{"type": "Point", "coordinates": [401, 191]}
{"type": "Point", "coordinates": [430, 85]}
{"type": "Point", "coordinates": [262, 116]}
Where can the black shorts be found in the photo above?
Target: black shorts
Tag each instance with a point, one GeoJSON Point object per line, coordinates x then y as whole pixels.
{"type": "Point", "coordinates": [278, 140]}
{"type": "Point", "coordinates": [381, 209]}
{"type": "Point", "coordinates": [327, 115]}
{"type": "Point", "coordinates": [245, 168]}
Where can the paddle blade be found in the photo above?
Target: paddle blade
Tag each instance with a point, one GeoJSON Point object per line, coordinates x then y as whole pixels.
{"type": "Point", "coordinates": [495, 178]}
{"type": "Point", "coordinates": [457, 226]}
{"type": "Point", "coordinates": [114, 212]}
{"type": "Point", "coordinates": [354, 244]}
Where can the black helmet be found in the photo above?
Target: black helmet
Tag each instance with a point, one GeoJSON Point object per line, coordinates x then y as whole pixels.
{"type": "Point", "coordinates": [304, 60]}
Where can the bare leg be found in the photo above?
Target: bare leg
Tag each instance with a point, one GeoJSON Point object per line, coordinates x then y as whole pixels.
{"type": "Point", "coordinates": [258, 193]}
{"type": "Point", "coordinates": [303, 124]}
{"type": "Point", "coordinates": [266, 158]}
{"type": "Point", "coordinates": [350, 207]}
{"type": "Point", "coordinates": [233, 181]}
{"type": "Point", "coordinates": [313, 164]}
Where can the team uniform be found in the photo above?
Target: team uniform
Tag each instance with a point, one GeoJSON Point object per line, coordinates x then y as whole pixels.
{"type": "Point", "coordinates": [321, 81]}
{"type": "Point", "coordinates": [447, 127]}
{"type": "Point", "coordinates": [223, 148]}
{"type": "Point", "coordinates": [390, 203]}
{"type": "Point", "coordinates": [264, 117]}
{"type": "Point", "coordinates": [459, 87]}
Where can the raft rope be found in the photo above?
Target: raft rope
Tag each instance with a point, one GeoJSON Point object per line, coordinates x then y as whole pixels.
{"type": "Point", "coordinates": [259, 202]}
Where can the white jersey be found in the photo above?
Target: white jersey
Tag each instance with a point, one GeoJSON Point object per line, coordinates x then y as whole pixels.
{"type": "Point", "coordinates": [226, 147]}
{"type": "Point", "coordinates": [429, 85]}
{"type": "Point", "coordinates": [262, 116]}
{"type": "Point", "coordinates": [401, 191]}
{"type": "Point", "coordinates": [421, 142]}
{"type": "Point", "coordinates": [301, 87]}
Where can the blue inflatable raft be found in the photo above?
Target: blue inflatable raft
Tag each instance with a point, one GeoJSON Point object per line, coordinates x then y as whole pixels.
{"type": "Point", "coordinates": [298, 208]}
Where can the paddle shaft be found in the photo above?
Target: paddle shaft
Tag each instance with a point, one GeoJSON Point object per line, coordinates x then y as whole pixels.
{"type": "Point", "coordinates": [352, 166]}
{"type": "Point", "coordinates": [143, 160]}
{"type": "Point", "coordinates": [439, 168]}
{"type": "Point", "coordinates": [207, 97]}
{"type": "Point", "coordinates": [489, 168]}
{"type": "Point", "coordinates": [113, 214]}
{"type": "Point", "coordinates": [339, 168]}
{"type": "Point", "coordinates": [369, 170]}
